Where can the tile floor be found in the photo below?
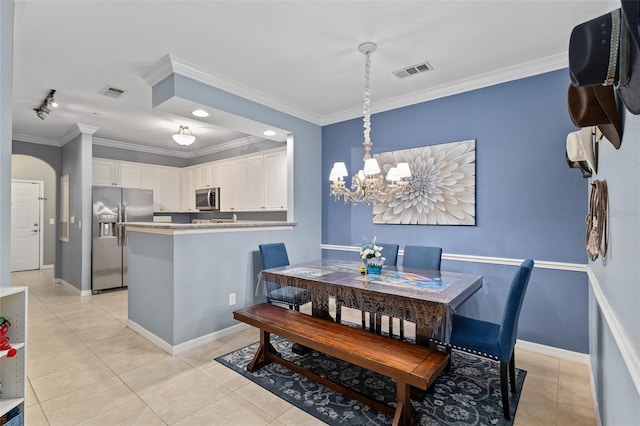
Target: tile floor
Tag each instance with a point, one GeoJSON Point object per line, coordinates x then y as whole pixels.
{"type": "Point", "coordinates": [86, 367]}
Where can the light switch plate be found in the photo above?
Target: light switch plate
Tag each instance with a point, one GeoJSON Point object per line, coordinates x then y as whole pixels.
{"type": "Point", "coordinates": [52, 221]}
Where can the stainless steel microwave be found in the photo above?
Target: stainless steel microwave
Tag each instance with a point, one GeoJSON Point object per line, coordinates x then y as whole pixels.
{"type": "Point", "coordinates": [208, 199]}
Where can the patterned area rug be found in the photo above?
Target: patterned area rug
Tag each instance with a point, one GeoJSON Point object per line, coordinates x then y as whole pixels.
{"type": "Point", "coordinates": [469, 394]}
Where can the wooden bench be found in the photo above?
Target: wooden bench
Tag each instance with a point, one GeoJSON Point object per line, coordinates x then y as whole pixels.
{"type": "Point", "coordinates": [406, 363]}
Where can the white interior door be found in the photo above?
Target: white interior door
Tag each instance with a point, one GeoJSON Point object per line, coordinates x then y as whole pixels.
{"type": "Point", "coordinates": [25, 226]}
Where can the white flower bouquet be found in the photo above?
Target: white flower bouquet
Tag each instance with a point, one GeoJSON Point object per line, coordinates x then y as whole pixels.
{"type": "Point", "coordinates": [371, 254]}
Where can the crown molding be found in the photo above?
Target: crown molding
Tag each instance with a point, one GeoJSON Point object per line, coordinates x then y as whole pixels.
{"type": "Point", "coordinates": [35, 139]}
{"type": "Point", "coordinates": [237, 143]}
{"type": "Point", "coordinates": [172, 64]}
{"type": "Point", "coordinates": [78, 129]}
{"type": "Point", "coordinates": [158, 72]}
{"type": "Point", "coordinates": [140, 148]}
{"type": "Point", "coordinates": [527, 69]}
{"type": "Point", "coordinates": [249, 140]}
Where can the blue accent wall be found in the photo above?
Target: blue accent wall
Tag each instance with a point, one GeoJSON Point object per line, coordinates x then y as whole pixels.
{"type": "Point", "coordinates": [529, 203]}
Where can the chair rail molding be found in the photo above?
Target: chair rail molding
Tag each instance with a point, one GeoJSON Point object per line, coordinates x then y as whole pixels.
{"type": "Point", "coordinates": [630, 358]}
{"type": "Point", "coordinates": [544, 264]}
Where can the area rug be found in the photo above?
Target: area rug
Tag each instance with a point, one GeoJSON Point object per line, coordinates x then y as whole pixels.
{"type": "Point", "coordinates": [469, 394]}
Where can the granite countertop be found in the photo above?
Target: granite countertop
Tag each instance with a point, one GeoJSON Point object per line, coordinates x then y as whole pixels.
{"type": "Point", "coordinates": [241, 224]}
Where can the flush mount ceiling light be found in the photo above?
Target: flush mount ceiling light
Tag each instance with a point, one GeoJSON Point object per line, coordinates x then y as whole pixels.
{"type": "Point", "coordinates": [184, 136]}
{"type": "Point", "coordinates": [369, 186]}
{"type": "Point", "coordinates": [200, 113]}
{"type": "Point", "coordinates": [269, 133]}
{"type": "Point", "coordinates": [45, 107]}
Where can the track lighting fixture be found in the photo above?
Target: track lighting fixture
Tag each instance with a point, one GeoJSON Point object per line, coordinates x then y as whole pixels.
{"type": "Point", "coordinates": [45, 107]}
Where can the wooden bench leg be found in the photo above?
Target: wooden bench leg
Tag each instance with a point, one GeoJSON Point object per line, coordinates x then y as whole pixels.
{"type": "Point", "coordinates": [403, 416]}
{"type": "Point", "coordinates": [260, 358]}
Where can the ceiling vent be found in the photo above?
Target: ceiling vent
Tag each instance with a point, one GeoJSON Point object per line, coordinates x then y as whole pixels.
{"type": "Point", "coordinates": [413, 70]}
{"type": "Point", "coordinates": [112, 92]}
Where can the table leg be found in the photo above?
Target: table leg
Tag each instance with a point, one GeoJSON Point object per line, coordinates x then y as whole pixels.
{"type": "Point", "coordinates": [422, 335]}
{"type": "Point", "coordinates": [316, 311]}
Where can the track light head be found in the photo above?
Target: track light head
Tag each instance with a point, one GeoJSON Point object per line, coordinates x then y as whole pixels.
{"type": "Point", "coordinates": [45, 107]}
{"type": "Point", "coordinates": [41, 114]}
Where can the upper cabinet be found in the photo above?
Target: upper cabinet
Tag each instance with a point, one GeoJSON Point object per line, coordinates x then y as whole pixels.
{"type": "Point", "coordinates": [116, 173]}
{"type": "Point", "coordinates": [275, 181]}
{"type": "Point", "coordinates": [189, 186]}
{"type": "Point", "coordinates": [166, 185]}
{"type": "Point", "coordinates": [208, 175]}
{"type": "Point", "coordinates": [254, 183]}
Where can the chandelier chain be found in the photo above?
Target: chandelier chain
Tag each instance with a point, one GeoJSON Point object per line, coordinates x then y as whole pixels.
{"type": "Point", "coordinates": [366, 118]}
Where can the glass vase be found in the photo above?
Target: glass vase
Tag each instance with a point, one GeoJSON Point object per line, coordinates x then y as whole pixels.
{"type": "Point", "coordinates": [374, 265]}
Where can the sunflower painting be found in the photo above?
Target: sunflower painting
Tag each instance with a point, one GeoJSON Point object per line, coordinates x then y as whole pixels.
{"type": "Point", "coordinates": [441, 190]}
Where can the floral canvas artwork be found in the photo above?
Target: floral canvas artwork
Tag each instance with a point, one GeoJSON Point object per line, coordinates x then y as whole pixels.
{"type": "Point", "coordinates": [441, 190]}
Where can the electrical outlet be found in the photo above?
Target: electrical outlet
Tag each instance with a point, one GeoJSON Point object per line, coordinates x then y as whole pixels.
{"type": "Point", "coordinates": [232, 299]}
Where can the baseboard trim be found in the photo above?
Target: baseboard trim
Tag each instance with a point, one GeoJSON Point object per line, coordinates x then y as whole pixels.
{"type": "Point", "coordinates": [73, 288]}
{"type": "Point", "coordinates": [631, 360]}
{"type": "Point", "coordinates": [46, 267]}
{"type": "Point", "coordinates": [563, 354]}
{"type": "Point", "coordinates": [188, 345]}
{"type": "Point", "coordinates": [544, 264]}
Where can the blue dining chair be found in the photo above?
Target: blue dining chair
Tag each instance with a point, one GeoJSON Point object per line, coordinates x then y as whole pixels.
{"type": "Point", "coordinates": [390, 254]}
{"type": "Point", "coordinates": [420, 257]}
{"type": "Point", "coordinates": [495, 341]}
{"type": "Point", "coordinates": [275, 255]}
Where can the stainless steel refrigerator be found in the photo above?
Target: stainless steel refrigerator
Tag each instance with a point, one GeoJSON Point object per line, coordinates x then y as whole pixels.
{"type": "Point", "coordinates": [113, 205]}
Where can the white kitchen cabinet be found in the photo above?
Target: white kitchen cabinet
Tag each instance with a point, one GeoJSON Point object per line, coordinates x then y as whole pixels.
{"type": "Point", "coordinates": [13, 373]}
{"type": "Point", "coordinates": [268, 181]}
{"type": "Point", "coordinates": [254, 183]}
{"type": "Point", "coordinates": [165, 183]}
{"type": "Point", "coordinates": [128, 175]}
{"type": "Point", "coordinates": [275, 181]}
{"type": "Point", "coordinates": [189, 186]}
{"type": "Point", "coordinates": [104, 172]}
{"type": "Point", "coordinates": [208, 175]}
{"type": "Point", "coordinates": [116, 173]}
{"type": "Point", "coordinates": [234, 186]}
{"type": "Point", "coordinates": [151, 178]}
{"type": "Point", "coordinates": [171, 189]}
{"type": "Point", "coordinates": [255, 175]}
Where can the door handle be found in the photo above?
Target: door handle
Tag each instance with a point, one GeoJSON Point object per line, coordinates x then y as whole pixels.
{"type": "Point", "coordinates": [119, 230]}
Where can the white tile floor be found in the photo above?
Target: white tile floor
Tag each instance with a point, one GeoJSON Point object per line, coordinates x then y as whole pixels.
{"type": "Point", "coordinates": [86, 367]}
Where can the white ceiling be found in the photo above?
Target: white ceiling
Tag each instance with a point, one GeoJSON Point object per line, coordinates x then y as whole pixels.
{"type": "Point", "coordinates": [299, 57]}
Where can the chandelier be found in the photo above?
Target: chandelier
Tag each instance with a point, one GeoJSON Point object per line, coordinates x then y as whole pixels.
{"type": "Point", "coordinates": [369, 185]}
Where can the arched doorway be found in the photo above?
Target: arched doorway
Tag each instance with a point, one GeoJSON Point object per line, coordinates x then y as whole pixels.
{"type": "Point", "coordinates": [26, 168]}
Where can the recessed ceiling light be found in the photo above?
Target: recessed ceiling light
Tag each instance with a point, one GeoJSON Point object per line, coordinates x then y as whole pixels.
{"type": "Point", "coordinates": [269, 133]}
{"type": "Point", "coordinates": [200, 113]}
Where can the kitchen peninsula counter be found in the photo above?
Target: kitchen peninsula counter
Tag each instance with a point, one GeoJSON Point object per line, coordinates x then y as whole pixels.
{"type": "Point", "coordinates": [186, 279]}
{"type": "Point", "coordinates": [173, 228]}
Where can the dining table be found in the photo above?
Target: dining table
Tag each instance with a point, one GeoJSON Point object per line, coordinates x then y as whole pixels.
{"type": "Point", "coordinates": [428, 298]}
